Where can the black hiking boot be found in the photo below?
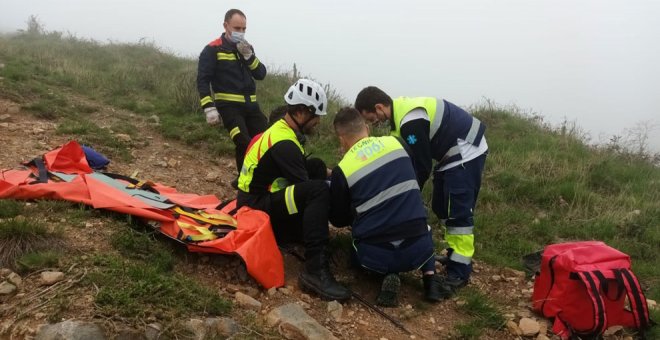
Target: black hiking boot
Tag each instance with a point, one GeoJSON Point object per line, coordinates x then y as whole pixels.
{"type": "Point", "coordinates": [389, 291]}
{"type": "Point", "coordinates": [438, 287]}
{"type": "Point", "coordinates": [317, 278]}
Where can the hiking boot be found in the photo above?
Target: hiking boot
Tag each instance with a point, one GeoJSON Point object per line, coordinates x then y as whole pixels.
{"type": "Point", "coordinates": [437, 287]}
{"type": "Point", "coordinates": [389, 291]}
{"type": "Point", "coordinates": [442, 259]}
{"type": "Point", "coordinates": [317, 278]}
{"type": "Point", "coordinates": [432, 291]}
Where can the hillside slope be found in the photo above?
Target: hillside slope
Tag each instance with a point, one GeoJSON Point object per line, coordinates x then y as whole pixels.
{"type": "Point", "coordinates": [137, 105]}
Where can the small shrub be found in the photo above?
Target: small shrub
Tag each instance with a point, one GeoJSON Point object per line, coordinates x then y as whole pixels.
{"type": "Point", "coordinates": [19, 236]}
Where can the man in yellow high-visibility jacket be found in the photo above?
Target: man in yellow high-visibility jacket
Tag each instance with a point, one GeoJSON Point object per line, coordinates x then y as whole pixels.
{"type": "Point", "coordinates": [436, 129]}
{"type": "Point", "coordinates": [275, 179]}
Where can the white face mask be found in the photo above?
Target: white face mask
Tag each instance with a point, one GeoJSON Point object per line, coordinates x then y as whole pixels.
{"type": "Point", "coordinates": [237, 36]}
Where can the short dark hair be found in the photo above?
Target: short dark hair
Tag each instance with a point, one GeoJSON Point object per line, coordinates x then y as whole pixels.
{"type": "Point", "coordinates": [292, 109]}
{"type": "Point", "coordinates": [230, 13]}
{"type": "Point", "coordinates": [367, 99]}
{"type": "Point", "coordinates": [277, 114]}
{"type": "Point", "coordinates": [348, 121]}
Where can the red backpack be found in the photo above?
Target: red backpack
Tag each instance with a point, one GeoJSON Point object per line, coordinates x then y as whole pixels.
{"type": "Point", "coordinates": [587, 287]}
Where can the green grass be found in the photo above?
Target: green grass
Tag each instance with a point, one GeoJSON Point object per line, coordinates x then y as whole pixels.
{"type": "Point", "coordinates": [38, 260]}
{"type": "Point", "coordinates": [139, 289]}
{"type": "Point", "coordinates": [10, 208]}
{"type": "Point", "coordinates": [20, 236]}
{"type": "Point", "coordinates": [481, 310]}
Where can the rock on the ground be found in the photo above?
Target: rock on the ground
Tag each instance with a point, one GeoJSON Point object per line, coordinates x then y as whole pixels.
{"type": "Point", "coordinates": [224, 327]}
{"type": "Point", "coordinates": [652, 304]}
{"type": "Point", "coordinates": [70, 330]}
{"type": "Point", "coordinates": [247, 301]}
{"type": "Point", "coordinates": [612, 330]}
{"type": "Point", "coordinates": [7, 288]}
{"type": "Point", "coordinates": [513, 328]}
{"type": "Point", "coordinates": [130, 334]}
{"type": "Point", "coordinates": [50, 278]}
{"type": "Point", "coordinates": [336, 310]}
{"type": "Point", "coordinates": [272, 291]}
{"type": "Point", "coordinates": [542, 337]}
{"type": "Point", "coordinates": [528, 326]}
{"type": "Point", "coordinates": [4, 117]}
{"type": "Point", "coordinates": [197, 328]}
{"type": "Point", "coordinates": [294, 323]}
{"type": "Point", "coordinates": [152, 331]}
{"type": "Point", "coordinates": [15, 279]}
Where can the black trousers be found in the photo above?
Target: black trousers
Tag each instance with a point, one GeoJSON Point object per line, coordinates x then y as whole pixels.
{"type": "Point", "coordinates": [243, 121]}
{"type": "Point", "coordinates": [297, 213]}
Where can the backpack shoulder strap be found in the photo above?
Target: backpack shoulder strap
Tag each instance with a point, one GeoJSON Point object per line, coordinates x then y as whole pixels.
{"type": "Point", "coordinates": [636, 297]}
{"type": "Point", "coordinates": [600, 317]}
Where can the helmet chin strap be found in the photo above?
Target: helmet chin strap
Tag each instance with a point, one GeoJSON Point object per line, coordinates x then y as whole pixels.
{"type": "Point", "coordinates": [301, 127]}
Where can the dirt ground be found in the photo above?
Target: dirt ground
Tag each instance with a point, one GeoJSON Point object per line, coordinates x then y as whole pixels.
{"type": "Point", "coordinates": [23, 137]}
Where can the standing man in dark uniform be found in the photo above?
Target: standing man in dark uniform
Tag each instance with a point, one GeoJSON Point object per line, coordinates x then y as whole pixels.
{"type": "Point", "coordinates": [225, 80]}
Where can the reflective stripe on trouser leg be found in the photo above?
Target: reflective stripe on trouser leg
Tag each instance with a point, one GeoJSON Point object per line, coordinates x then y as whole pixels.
{"type": "Point", "coordinates": [463, 246]}
{"type": "Point", "coordinates": [290, 201]}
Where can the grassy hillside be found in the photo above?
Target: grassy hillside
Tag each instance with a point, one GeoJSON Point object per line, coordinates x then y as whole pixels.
{"type": "Point", "coordinates": [540, 185]}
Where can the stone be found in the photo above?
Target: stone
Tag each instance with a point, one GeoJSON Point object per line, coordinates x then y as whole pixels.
{"type": "Point", "coordinates": [4, 117]}
{"type": "Point", "coordinates": [612, 330]}
{"type": "Point", "coordinates": [155, 119]}
{"type": "Point", "coordinates": [7, 288]}
{"type": "Point", "coordinates": [252, 292]}
{"type": "Point", "coordinates": [15, 279]}
{"type": "Point", "coordinates": [172, 163]}
{"type": "Point", "coordinates": [529, 327]}
{"type": "Point", "coordinates": [247, 301]}
{"type": "Point", "coordinates": [130, 334]}
{"type": "Point", "coordinates": [294, 323]}
{"type": "Point", "coordinates": [496, 278]}
{"type": "Point", "coordinates": [4, 125]}
{"type": "Point", "coordinates": [542, 337]}
{"type": "Point", "coordinates": [272, 291]}
{"type": "Point", "coordinates": [211, 176]}
{"type": "Point", "coordinates": [70, 330]}
{"type": "Point", "coordinates": [336, 310]}
{"type": "Point", "coordinates": [197, 328]}
{"type": "Point", "coordinates": [13, 109]}
{"type": "Point", "coordinates": [513, 328]}
{"type": "Point", "coordinates": [652, 304]}
{"type": "Point", "coordinates": [284, 290]}
{"type": "Point", "coordinates": [509, 316]}
{"type": "Point", "coordinates": [225, 327]}
{"type": "Point", "coordinates": [123, 137]}
{"type": "Point", "coordinates": [4, 272]}
{"type": "Point", "coordinates": [152, 331]}
{"type": "Point", "coordinates": [232, 288]}
{"type": "Point", "coordinates": [50, 278]}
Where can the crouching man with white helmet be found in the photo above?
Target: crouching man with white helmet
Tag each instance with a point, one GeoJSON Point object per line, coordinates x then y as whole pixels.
{"type": "Point", "coordinates": [274, 179]}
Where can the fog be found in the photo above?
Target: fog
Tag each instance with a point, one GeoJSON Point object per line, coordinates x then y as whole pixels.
{"type": "Point", "coordinates": [592, 63]}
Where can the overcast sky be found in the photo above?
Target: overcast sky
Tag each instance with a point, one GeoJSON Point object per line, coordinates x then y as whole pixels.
{"type": "Point", "coordinates": [594, 62]}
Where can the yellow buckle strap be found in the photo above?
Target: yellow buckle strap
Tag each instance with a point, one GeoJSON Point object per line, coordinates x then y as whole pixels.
{"type": "Point", "coordinates": [204, 233]}
{"type": "Point", "coordinates": [210, 219]}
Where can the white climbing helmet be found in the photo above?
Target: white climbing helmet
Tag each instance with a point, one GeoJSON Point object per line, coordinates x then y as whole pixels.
{"type": "Point", "coordinates": [308, 93]}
